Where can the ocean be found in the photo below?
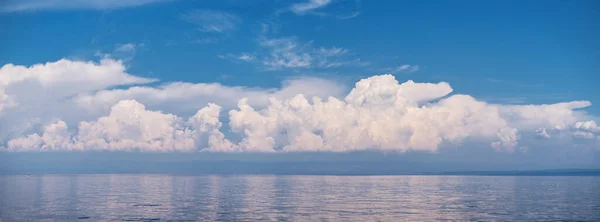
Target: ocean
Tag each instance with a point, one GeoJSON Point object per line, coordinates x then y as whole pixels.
{"type": "Point", "coordinates": [298, 198]}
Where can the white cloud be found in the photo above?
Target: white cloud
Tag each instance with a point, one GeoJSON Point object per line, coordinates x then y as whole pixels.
{"type": "Point", "coordinates": [353, 15]}
{"type": "Point", "coordinates": [414, 68]}
{"type": "Point", "coordinates": [586, 130]}
{"type": "Point", "coordinates": [129, 47]}
{"type": "Point", "coordinates": [559, 116]}
{"type": "Point", "coordinates": [212, 21]}
{"type": "Point", "coordinates": [72, 91]}
{"type": "Point", "coordinates": [125, 52]}
{"type": "Point", "coordinates": [182, 97]}
{"type": "Point", "coordinates": [334, 51]}
{"type": "Point", "coordinates": [30, 5]}
{"type": "Point", "coordinates": [288, 53]}
{"type": "Point", "coordinates": [580, 130]}
{"type": "Point", "coordinates": [246, 57]}
{"type": "Point", "coordinates": [405, 68]}
{"type": "Point", "coordinates": [589, 125]}
{"type": "Point", "coordinates": [379, 113]}
{"type": "Point", "coordinates": [207, 134]}
{"type": "Point", "coordinates": [583, 135]}
{"type": "Point", "coordinates": [543, 133]}
{"type": "Point", "coordinates": [55, 137]}
{"type": "Point", "coordinates": [307, 7]}
{"type": "Point", "coordinates": [80, 76]}
{"type": "Point", "coordinates": [74, 105]}
{"type": "Point", "coordinates": [42, 92]}
{"type": "Point", "coordinates": [129, 126]}
{"type": "Point", "coordinates": [5, 101]}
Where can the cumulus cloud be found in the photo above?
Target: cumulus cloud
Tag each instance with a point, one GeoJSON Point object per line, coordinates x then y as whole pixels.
{"type": "Point", "coordinates": [586, 130]}
{"type": "Point", "coordinates": [55, 137]}
{"type": "Point", "coordinates": [583, 135]}
{"type": "Point", "coordinates": [31, 95]}
{"type": "Point", "coordinates": [72, 91]}
{"type": "Point", "coordinates": [129, 126]}
{"type": "Point", "coordinates": [78, 75]}
{"type": "Point", "coordinates": [31, 90]}
{"type": "Point", "coordinates": [542, 133]}
{"type": "Point", "coordinates": [589, 125]}
{"type": "Point", "coordinates": [86, 105]}
{"type": "Point", "coordinates": [379, 113]}
{"type": "Point", "coordinates": [558, 116]}
{"type": "Point", "coordinates": [29, 5]}
{"type": "Point", "coordinates": [212, 20]}
{"type": "Point", "coordinates": [5, 101]}
{"type": "Point", "coordinates": [184, 98]}
{"type": "Point", "coordinates": [206, 125]}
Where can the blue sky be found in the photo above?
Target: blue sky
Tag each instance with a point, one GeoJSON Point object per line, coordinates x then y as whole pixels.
{"type": "Point", "coordinates": [501, 51]}
{"type": "Point", "coordinates": [72, 71]}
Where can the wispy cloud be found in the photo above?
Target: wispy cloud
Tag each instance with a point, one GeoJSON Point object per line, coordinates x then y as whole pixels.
{"type": "Point", "coordinates": [124, 52]}
{"type": "Point", "coordinates": [310, 6]}
{"type": "Point", "coordinates": [246, 57]}
{"type": "Point", "coordinates": [332, 51]}
{"type": "Point", "coordinates": [242, 57]}
{"type": "Point", "coordinates": [207, 40]}
{"type": "Point", "coordinates": [404, 68]}
{"type": "Point", "coordinates": [269, 27]}
{"type": "Point", "coordinates": [212, 21]}
{"type": "Point", "coordinates": [289, 53]}
{"type": "Point", "coordinates": [286, 53]}
{"type": "Point", "coordinates": [129, 47]}
{"type": "Point", "coordinates": [32, 5]}
{"type": "Point", "coordinates": [344, 17]}
{"type": "Point", "coordinates": [314, 7]}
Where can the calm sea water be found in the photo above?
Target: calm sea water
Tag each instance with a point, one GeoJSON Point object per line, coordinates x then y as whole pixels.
{"type": "Point", "coordinates": [297, 198]}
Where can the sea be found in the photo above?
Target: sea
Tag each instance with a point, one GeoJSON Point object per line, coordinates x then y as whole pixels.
{"type": "Point", "coordinates": [158, 197]}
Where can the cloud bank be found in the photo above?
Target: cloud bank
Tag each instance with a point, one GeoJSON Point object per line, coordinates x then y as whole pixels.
{"type": "Point", "coordinates": [74, 91]}
{"type": "Point", "coordinates": [83, 105]}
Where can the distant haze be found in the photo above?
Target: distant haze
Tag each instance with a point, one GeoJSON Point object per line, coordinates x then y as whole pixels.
{"type": "Point", "coordinates": [360, 163]}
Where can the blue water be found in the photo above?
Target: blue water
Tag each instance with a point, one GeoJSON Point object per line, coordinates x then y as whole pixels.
{"type": "Point", "coordinates": [297, 198]}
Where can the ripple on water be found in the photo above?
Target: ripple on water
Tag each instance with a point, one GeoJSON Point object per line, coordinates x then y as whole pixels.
{"type": "Point", "coordinates": [298, 198]}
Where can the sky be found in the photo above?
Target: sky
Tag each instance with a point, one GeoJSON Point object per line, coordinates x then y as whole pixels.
{"type": "Point", "coordinates": [507, 77]}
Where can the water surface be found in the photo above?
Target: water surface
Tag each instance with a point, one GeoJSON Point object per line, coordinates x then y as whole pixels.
{"type": "Point", "coordinates": [297, 198]}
